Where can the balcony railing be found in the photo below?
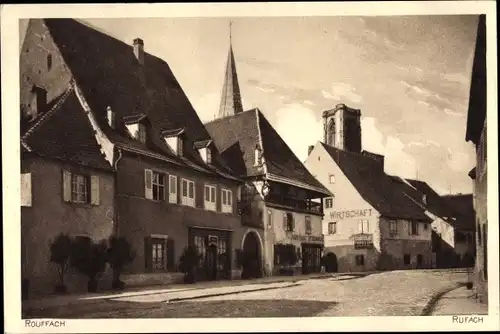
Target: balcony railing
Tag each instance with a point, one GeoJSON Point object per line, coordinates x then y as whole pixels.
{"type": "Point", "coordinates": [290, 202]}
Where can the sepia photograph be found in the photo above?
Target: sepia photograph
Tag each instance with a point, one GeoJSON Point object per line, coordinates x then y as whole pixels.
{"type": "Point", "coordinates": [251, 164]}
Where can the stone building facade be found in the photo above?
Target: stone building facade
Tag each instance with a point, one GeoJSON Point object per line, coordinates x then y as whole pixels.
{"type": "Point", "coordinates": [368, 224]}
{"type": "Point", "coordinates": [163, 184]}
{"type": "Point", "coordinates": [476, 133]}
{"type": "Point", "coordinates": [279, 193]}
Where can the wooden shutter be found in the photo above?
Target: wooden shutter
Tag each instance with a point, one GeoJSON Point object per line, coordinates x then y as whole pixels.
{"type": "Point", "coordinates": [170, 255]}
{"type": "Point", "coordinates": [26, 189]}
{"type": "Point", "coordinates": [66, 183]}
{"type": "Point", "coordinates": [293, 222]}
{"type": "Point", "coordinates": [94, 190]}
{"type": "Point", "coordinates": [148, 183]}
{"type": "Point", "coordinates": [284, 222]}
{"type": "Point", "coordinates": [147, 254]}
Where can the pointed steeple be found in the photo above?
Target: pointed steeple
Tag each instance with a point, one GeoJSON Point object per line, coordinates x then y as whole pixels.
{"type": "Point", "coordinates": [230, 103]}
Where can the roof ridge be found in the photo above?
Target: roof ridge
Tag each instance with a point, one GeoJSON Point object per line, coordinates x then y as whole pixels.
{"type": "Point", "coordinates": [259, 133]}
{"type": "Point", "coordinates": [49, 113]}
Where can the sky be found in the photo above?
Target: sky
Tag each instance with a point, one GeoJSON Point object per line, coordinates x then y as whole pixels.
{"type": "Point", "coordinates": [409, 76]}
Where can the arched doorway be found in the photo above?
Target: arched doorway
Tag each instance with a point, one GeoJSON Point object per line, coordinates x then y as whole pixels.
{"type": "Point", "coordinates": [252, 263]}
{"type": "Point", "coordinates": [331, 265]}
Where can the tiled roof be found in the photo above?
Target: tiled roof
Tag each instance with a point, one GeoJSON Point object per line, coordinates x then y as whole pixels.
{"type": "Point", "coordinates": [66, 133]}
{"type": "Point", "coordinates": [463, 206]}
{"type": "Point", "coordinates": [477, 95]}
{"type": "Point", "coordinates": [230, 102]}
{"type": "Point", "coordinates": [108, 74]}
{"type": "Point", "coordinates": [375, 186]}
{"type": "Point", "coordinates": [440, 206]}
{"type": "Point", "coordinates": [237, 137]}
{"type": "Point", "coordinates": [202, 144]}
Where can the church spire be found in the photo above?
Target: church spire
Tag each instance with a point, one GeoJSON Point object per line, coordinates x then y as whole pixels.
{"type": "Point", "coordinates": [230, 103]}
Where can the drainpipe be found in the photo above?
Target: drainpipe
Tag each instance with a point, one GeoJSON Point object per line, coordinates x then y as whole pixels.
{"type": "Point", "coordinates": [115, 210]}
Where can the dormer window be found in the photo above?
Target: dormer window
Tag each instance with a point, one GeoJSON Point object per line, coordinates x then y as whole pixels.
{"type": "Point", "coordinates": [175, 140]}
{"type": "Point", "coordinates": [424, 199]}
{"type": "Point", "coordinates": [205, 150]}
{"type": "Point", "coordinates": [136, 126]}
{"type": "Point", "coordinates": [209, 155]}
{"type": "Point", "coordinates": [141, 133]}
{"type": "Point", "coordinates": [258, 156]}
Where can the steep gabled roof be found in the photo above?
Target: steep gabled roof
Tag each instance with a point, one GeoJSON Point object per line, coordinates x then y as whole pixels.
{"type": "Point", "coordinates": [108, 74]}
{"type": "Point", "coordinates": [375, 186]}
{"type": "Point", "coordinates": [66, 133]}
{"type": "Point", "coordinates": [462, 205]}
{"type": "Point", "coordinates": [442, 207]}
{"type": "Point", "coordinates": [237, 137]}
{"type": "Point", "coordinates": [477, 94]}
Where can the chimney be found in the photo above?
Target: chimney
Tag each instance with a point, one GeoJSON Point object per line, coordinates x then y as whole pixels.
{"type": "Point", "coordinates": [376, 157]}
{"type": "Point", "coordinates": [110, 115]}
{"type": "Point", "coordinates": [139, 50]}
{"type": "Point", "coordinates": [309, 149]}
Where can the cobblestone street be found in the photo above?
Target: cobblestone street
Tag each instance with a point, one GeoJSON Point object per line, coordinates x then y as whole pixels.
{"type": "Point", "coordinates": [397, 293]}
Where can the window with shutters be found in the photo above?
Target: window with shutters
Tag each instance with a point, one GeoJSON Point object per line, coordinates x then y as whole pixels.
{"type": "Point", "coordinates": [210, 197]}
{"type": "Point", "coordinates": [172, 189]}
{"type": "Point", "coordinates": [158, 185]}
{"type": "Point", "coordinates": [227, 201]}
{"type": "Point", "coordinates": [188, 196]}
{"type": "Point", "coordinates": [80, 188]}
{"type": "Point", "coordinates": [159, 253]}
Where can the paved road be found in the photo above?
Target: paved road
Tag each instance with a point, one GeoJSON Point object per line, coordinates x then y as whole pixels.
{"type": "Point", "coordinates": [391, 293]}
{"type": "Point", "coordinates": [459, 302]}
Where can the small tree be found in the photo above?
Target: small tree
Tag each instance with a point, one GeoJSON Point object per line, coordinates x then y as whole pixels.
{"type": "Point", "coordinates": [89, 258]}
{"type": "Point", "coordinates": [60, 251]}
{"type": "Point", "coordinates": [120, 254]}
{"type": "Point", "coordinates": [188, 263]}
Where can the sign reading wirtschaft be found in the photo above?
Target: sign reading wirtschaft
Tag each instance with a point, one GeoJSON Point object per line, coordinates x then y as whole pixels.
{"type": "Point", "coordinates": [350, 214]}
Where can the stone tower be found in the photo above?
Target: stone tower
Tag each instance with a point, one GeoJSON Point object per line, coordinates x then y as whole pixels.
{"type": "Point", "coordinates": [342, 128]}
{"type": "Point", "coordinates": [230, 103]}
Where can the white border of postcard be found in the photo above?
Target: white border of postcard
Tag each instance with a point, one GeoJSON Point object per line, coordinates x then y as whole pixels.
{"type": "Point", "coordinates": [10, 15]}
